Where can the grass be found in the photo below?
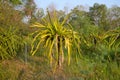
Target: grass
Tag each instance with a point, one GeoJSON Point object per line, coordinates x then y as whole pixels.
{"type": "Point", "coordinates": [37, 68]}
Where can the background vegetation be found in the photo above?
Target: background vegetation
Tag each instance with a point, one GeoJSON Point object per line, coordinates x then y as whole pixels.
{"type": "Point", "coordinates": [87, 40]}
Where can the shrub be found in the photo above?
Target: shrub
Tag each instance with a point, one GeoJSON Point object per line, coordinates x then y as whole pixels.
{"type": "Point", "coordinates": [10, 43]}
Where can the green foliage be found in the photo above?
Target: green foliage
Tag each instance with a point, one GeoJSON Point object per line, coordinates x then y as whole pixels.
{"type": "Point", "coordinates": [55, 40]}
{"type": "Point", "coordinates": [14, 2]}
{"type": "Point", "coordinates": [9, 43]}
{"type": "Point", "coordinates": [114, 17]}
{"type": "Point", "coordinates": [54, 37]}
{"type": "Point", "coordinates": [102, 46]}
{"type": "Point", "coordinates": [98, 15]}
{"type": "Point", "coordinates": [10, 16]}
{"type": "Point", "coordinates": [37, 69]}
{"type": "Point", "coordinates": [79, 19]}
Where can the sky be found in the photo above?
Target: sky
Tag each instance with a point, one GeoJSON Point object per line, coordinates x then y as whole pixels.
{"type": "Point", "coordinates": [60, 4]}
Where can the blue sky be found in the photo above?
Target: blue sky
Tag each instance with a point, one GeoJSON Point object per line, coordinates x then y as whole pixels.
{"type": "Point", "coordinates": [60, 4]}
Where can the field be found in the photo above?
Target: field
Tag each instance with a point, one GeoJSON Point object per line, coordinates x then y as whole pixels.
{"type": "Point", "coordinates": [55, 45]}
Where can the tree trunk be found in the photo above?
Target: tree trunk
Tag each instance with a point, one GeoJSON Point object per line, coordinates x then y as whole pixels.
{"type": "Point", "coordinates": [60, 53]}
{"type": "Point", "coordinates": [59, 60]}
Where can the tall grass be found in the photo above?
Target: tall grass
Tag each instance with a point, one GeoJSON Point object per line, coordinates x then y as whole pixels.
{"type": "Point", "coordinates": [38, 69]}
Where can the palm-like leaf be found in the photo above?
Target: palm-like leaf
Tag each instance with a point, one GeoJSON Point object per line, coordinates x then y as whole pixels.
{"type": "Point", "coordinates": [55, 36]}
{"type": "Point", "coordinates": [9, 43]}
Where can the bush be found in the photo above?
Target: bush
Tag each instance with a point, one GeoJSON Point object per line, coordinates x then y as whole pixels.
{"type": "Point", "coordinates": [10, 43]}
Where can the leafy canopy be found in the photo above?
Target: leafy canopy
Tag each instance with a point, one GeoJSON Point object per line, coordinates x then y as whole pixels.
{"type": "Point", "coordinates": [55, 36]}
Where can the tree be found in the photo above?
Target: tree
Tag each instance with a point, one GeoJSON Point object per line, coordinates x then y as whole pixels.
{"type": "Point", "coordinates": [14, 2]}
{"type": "Point", "coordinates": [39, 13]}
{"type": "Point", "coordinates": [14, 18]}
{"type": "Point", "coordinates": [113, 17]}
{"type": "Point", "coordinates": [11, 28]}
{"type": "Point", "coordinates": [29, 11]}
{"type": "Point", "coordinates": [54, 36]}
{"type": "Point", "coordinates": [98, 15]}
{"type": "Point", "coordinates": [51, 7]}
{"type": "Point", "coordinates": [79, 19]}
